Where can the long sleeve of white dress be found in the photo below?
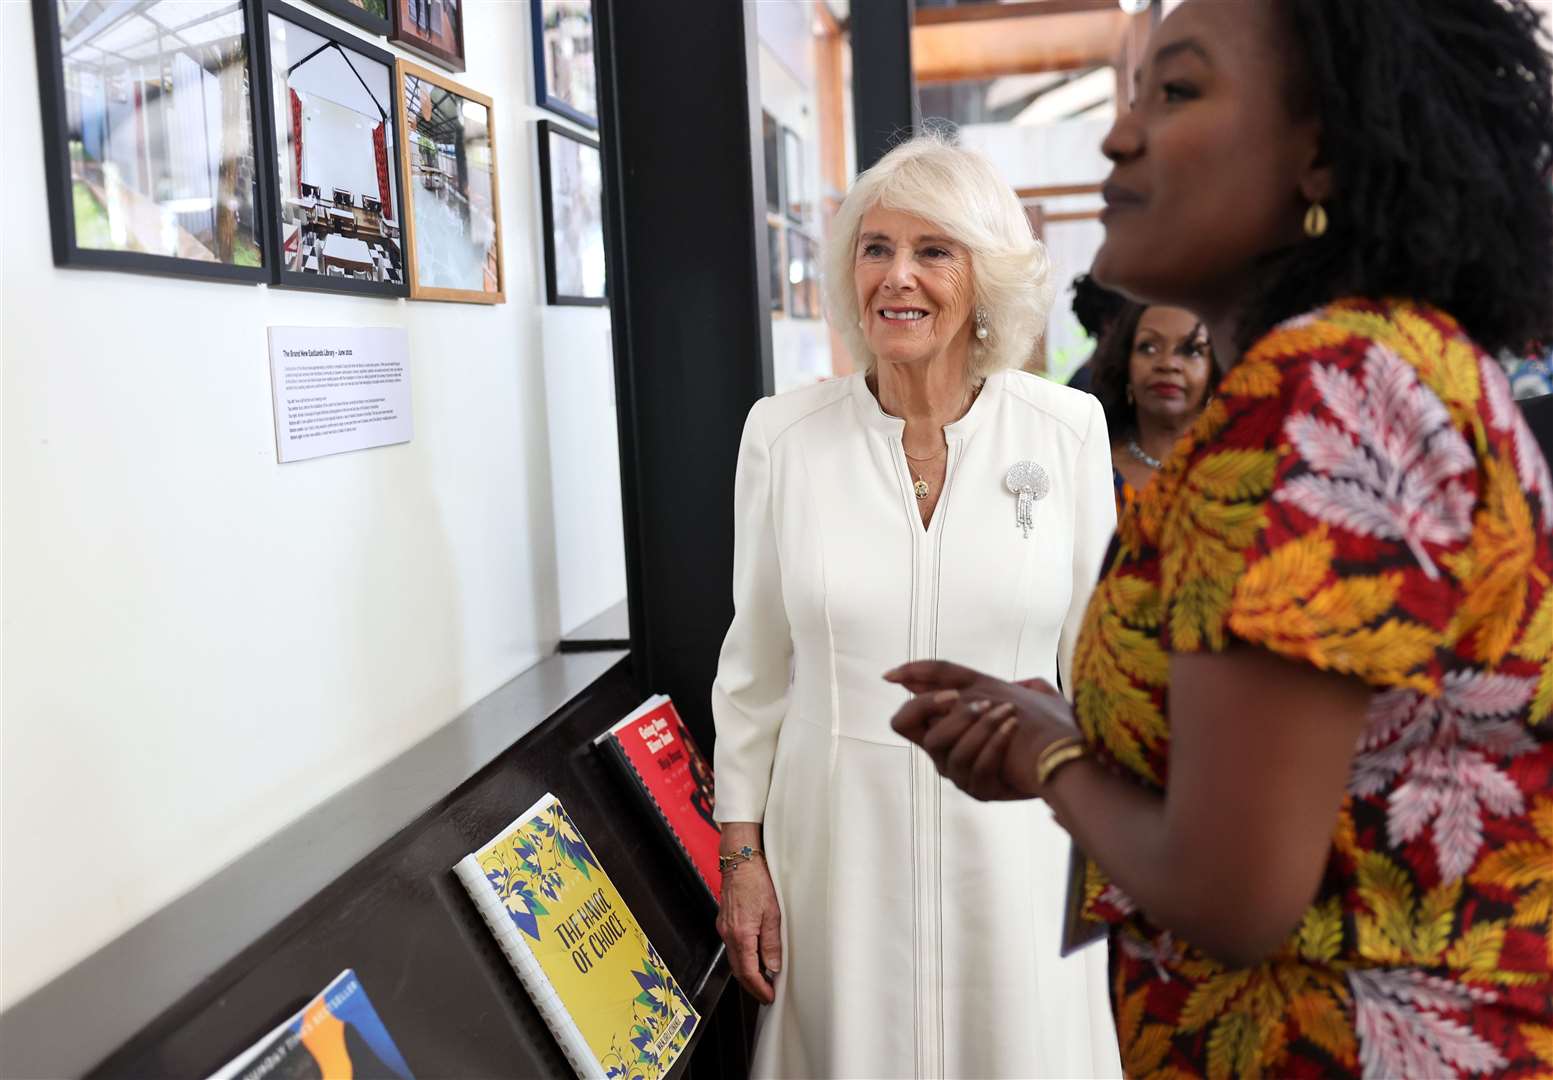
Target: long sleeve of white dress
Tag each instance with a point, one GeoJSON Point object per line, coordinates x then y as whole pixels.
{"type": "Point", "coordinates": [750, 694]}
{"type": "Point", "coordinates": [1094, 523]}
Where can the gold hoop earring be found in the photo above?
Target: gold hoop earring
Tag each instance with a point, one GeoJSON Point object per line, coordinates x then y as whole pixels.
{"type": "Point", "coordinates": [1316, 221]}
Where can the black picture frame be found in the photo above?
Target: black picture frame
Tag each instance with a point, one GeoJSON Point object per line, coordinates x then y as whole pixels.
{"type": "Point", "coordinates": [776, 266]}
{"type": "Point", "coordinates": [554, 293]}
{"type": "Point", "coordinates": [542, 95]}
{"type": "Point", "coordinates": [794, 203]}
{"type": "Point", "coordinates": [282, 275]}
{"type": "Point", "coordinates": [66, 247]}
{"type": "Point", "coordinates": [407, 36]}
{"type": "Point", "coordinates": [355, 14]}
{"type": "Point", "coordinates": [771, 140]}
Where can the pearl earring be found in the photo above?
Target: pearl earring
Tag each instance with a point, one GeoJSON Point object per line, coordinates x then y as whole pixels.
{"type": "Point", "coordinates": [982, 332]}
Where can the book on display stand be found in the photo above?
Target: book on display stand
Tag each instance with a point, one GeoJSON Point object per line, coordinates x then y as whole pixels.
{"type": "Point", "coordinates": [336, 1034]}
{"type": "Point", "coordinates": [654, 751]}
{"type": "Point", "coordinates": [599, 984]}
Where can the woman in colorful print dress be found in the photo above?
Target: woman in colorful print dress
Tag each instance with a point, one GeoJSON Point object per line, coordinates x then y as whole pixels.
{"type": "Point", "coordinates": [1314, 691]}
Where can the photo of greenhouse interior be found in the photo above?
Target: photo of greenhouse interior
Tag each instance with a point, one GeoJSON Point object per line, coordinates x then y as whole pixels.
{"type": "Point", "coordinates": [776, 538]}
{"type": "Point", "coordinates": [161, 154]}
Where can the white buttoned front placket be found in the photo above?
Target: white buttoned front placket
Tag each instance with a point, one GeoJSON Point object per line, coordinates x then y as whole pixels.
{"type": "Point", "coordinates": [926, 784]}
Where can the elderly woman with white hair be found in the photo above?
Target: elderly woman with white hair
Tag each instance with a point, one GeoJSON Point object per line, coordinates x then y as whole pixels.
{"type": "Point", "coordinates": [940, 503]}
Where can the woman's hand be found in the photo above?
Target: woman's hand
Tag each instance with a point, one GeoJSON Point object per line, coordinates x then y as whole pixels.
{"type": "Point", "coordinates": [750, 924]}
{"type": "Point", "coordinates": [985, 735]}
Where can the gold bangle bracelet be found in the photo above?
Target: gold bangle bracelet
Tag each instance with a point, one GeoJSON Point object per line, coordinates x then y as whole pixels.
{"type": "Point", "coordinates": [1058, 753]}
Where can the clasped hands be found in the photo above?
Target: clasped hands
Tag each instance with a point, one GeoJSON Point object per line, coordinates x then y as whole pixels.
{"type": "Point", "coordinates": [985, 735]}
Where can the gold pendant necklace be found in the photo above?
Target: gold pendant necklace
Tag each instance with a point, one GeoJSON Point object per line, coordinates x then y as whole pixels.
{"type": "Point", "coordinates": [920, 487]}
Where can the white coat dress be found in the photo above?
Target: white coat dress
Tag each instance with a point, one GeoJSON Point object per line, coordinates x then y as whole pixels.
{"type": "Point", "coordinates": [919, 927]}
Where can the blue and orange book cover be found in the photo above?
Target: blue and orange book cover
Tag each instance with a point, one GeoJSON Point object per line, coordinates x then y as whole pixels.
{"type": "Point", "coordinates": [336, 1036]}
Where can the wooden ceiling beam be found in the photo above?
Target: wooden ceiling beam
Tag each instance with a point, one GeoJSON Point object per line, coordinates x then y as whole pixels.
{"type": "Point", "coordinates": [988, 48]}
{"type": "Point", "coordinates": [963, 13]}
{"type": "Point", "coordinates": [1052, 191]}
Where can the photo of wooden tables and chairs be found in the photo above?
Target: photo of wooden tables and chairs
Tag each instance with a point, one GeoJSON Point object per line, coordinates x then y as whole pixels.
{"type": "Point", "coordinates": [337, 188]}
{"type": "Point", "coordinates": [150, 135]}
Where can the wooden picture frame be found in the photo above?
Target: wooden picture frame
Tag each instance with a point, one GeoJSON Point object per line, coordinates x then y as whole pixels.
{"type": "Point", "coordinates": [431, 29]}
{"type": "Point", "coordinates": [102, 212]}
{"type": "Point", "coordinates": [327, 236]}
{"type": "Point", "coordinates": [563, 283]}
{"type": "Point", "coordinates": [581, 109]}
{"type": "Point", "coordinates": [357, 13]}
{"type": "Point", "coordinates": [425, 119]}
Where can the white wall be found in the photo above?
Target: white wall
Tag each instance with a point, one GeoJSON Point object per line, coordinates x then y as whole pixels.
{"type": "Point", "coordinates": [198, 644]}
{"type": "Point", "coordinates": [800, 348]}
{"type": "Point", "coordinates": [584, 462]}
{"type": "Point", "coordinates": [1044, 155]}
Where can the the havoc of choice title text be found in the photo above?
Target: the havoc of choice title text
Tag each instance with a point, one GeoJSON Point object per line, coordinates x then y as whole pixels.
{"type": "Point", "coordinates": [590, 931]}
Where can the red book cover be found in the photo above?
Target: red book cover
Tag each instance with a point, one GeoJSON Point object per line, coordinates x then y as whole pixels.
{"type": "Point", "coordinates": [654, 749]}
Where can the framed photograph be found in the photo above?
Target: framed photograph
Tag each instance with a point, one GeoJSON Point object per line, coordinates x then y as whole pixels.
{"type": "Point", "coordinates": [150, 136]}
{"type": "Point", "coordinates": [571, 185]}
{"type": "Point", "coordinates": [433, 29]}
{"type": "Point", "coordinates": [452, 219]}
{"type": "Point", "coordinates": [776, 263]}
{"type": "Point", "coordinates": [370, 15]}
{"type": "Point", "coordinates": [792, 175]}
{"type": "Point", "coordinates": [803, 278]}
{"type": "Point", "coordinates": [334, 141]}
{"type": "Point", "coordinates": [771, 140]}
{"type": "Point", "coordinates": [566, 81]}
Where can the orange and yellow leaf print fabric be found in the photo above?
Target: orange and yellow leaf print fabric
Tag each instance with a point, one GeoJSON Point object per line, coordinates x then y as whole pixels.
{"type": "Point", "coordinates": [1362, 496]}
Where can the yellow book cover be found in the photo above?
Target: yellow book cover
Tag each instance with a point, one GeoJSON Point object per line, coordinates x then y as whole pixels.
{"type": "Point", "coordinates": [597, 980]}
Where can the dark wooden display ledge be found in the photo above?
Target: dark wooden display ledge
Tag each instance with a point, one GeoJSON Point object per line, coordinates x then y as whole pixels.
{"type": "Point", "coordinates": [250, 951]}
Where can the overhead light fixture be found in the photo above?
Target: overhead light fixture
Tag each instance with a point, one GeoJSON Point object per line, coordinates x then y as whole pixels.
{"type": "Point", "coordinates": [1134, 7]}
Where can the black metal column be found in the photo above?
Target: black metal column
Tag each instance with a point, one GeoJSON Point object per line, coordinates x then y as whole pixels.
{"type": "Point", "coordinates": [884, 92]}
{"type": "Point", "coordinates": [683, 158]}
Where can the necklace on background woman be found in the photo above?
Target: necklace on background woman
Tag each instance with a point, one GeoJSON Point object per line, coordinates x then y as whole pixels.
{"type": "Point", "coordinates": [1143, 455]}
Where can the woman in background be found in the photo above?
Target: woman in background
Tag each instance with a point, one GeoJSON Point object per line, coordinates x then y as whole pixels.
{"type": "Point", "coordinates": [1154, 372]}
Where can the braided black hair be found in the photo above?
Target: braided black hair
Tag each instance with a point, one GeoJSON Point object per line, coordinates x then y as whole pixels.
{"type": "Point", "coordinates": [1094, 305]}
{"type": "Point", "coordinates": [1111, 363]}
{"type": "Point", "coordinates": [1437, 121]}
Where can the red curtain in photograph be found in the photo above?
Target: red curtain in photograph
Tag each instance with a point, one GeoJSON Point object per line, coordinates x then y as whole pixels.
{"type": "Point", "coordinates": [384, 192]}
{"type": "Point", "coordinates": [296, 134]}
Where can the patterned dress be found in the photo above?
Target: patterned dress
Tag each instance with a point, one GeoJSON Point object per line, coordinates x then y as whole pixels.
{"type": "Point", "coordinates": [1362, 496]}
